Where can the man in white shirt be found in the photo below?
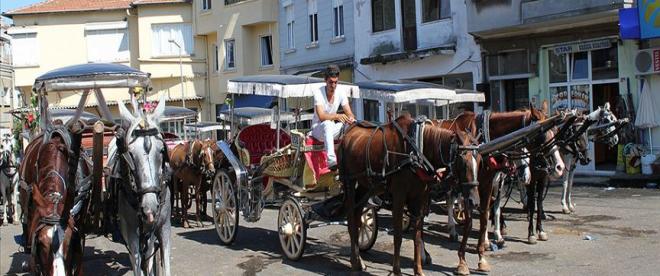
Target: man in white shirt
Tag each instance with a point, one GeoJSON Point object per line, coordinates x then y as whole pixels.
{"type": "Point", "coordinates": [327, 100]}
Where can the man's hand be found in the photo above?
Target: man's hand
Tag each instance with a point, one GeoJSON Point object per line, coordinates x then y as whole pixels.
{"type": "Point", "coordinates": [343, 118]}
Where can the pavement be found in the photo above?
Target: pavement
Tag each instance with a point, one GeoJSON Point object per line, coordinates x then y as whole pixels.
{"type": "Point", "coordinates": [613, 232]}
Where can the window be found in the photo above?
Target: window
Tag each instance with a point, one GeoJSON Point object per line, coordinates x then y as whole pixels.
{"type": "Point", "coordinates": [433, 10]}
{"type": "Point", "coordinates": [382, 15]}
{"type": "Point", "coordinates": [290, 35]}
{"type": "Point", "coordinates": [181, 33]}
{"type": "Point", "coordinates": [230, 61]}
{"type": "Point", "coordinates": [604, 64]}
{"type": "Point", "coordinates": [107, 42]}
{"type": "Point", "coordinates": [510, 62]}
{"type": "Point", "coordinates": [266, 51]}
{"type": "Point", "coordinates": [313, 21]}
{"type": "Point", "coordinates": [371, 110]}
{"type": "Point", "coordinates": [229, 2]}
{"type": "Point", "coordinates": [216, 58]}
{"type": "Point", "coordinates": [206, 4]}
{"type": "Point", "coordinates": [557, 65]}
{"type": "Point", "coordinates": [579, 65]}
{"type": "Point", "coordinates": [338, 11]}
{"type": "Point", "coordinates": [25, 49]}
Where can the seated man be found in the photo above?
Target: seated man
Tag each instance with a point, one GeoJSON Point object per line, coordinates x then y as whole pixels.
{"type": "Point", "coordinates": [326, 103]}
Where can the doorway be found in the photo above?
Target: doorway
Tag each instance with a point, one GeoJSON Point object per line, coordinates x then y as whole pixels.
{"type": "Point", "coordinates": [604, 156]}
{"type": "Point", "coordinates": [409, 18]}
{"type": "Point", "coordinates": [516, 94]}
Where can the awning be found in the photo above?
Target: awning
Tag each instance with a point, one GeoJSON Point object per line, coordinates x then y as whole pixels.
{"type": "Point", "coordinates": [91, 76]}
{"type": "Point", "coordinates": [284, 86]}
{"type": "Point", "coordinates": [250, 101]}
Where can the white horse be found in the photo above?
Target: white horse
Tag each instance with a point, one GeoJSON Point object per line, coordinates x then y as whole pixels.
{"type": "Point", "coordinates": [8, 181]}
{"type": "Point", "coordinates": [600, 117]}
{"type": "Point", "coordinates": [144, 207]}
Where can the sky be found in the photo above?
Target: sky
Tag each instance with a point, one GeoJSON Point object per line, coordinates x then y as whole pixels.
{"type": "Point", "coordinates": [7, 5]}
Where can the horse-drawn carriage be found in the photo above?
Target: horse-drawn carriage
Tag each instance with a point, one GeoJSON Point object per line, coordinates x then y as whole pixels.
{"type": "Point", "coordinates": [66, 193]}
{"type": "Point", "coordinates": [266, 164]}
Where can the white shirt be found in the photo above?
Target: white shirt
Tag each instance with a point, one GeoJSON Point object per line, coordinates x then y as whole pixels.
{"type": "Point", "coordinates": [321, 98]}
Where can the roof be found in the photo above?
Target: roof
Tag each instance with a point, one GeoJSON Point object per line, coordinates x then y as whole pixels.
{"type": "Point", "coordinates": [147, 2]}
{"type": "Point", "coordinates": [91, 75]}
{"type": "Point", "coordinates": [71, 5]}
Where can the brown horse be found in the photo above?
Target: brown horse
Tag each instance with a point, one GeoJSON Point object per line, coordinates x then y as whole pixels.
{"type": "Point", "coordinates": [192, 164]}
{"type": "Point", "coordinates": [500, 124]}
{"type": "Point", "coordinates": [384, 153]}
{"type": "Point", "coordinates": [54, 232]}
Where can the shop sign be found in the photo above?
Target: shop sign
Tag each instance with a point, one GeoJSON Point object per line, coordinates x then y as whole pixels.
{"type": "Point", "coordinates": [582, 46]}
{"type": "Point", "coordinates": [649, 24]}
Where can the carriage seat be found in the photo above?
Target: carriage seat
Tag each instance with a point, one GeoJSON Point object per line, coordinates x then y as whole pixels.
{"type": "Point", "coordinates": [260, 140]}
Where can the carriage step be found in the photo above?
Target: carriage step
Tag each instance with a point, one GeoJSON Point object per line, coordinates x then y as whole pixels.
{"type": "Point", "coordinates": [330, 209]}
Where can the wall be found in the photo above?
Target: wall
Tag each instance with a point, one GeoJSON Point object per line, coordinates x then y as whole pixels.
{"type": "Point", "coordinates": [329, 48]}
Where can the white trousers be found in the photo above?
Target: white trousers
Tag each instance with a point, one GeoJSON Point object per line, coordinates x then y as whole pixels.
{"type": "Point", "coordinates": [327, 131]}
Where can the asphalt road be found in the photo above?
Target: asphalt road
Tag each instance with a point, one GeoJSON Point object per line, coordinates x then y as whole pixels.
{"type": "Point", "coordinates": [623, 224]}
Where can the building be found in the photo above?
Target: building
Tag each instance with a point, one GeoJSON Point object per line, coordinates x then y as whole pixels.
{"type": "Point", "coordinates": [315, 34]}
{"type": "Point", "coordinates": [241, 37]}
{"type": "Point", "coordinates": [414, 40]}
{"type": "Point", "coordinates": [144, 34]}
{"type": "Point", "coordinates": [6, 80]}
{"type": "Point", "coordinates": [568, 53]}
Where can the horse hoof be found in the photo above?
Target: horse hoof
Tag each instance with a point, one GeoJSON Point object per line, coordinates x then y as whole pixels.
{"type": "Point", "coordinates": [572, 208]}
{"type": "Point", "coordinates": [427, 259]}
{"type": "Point", "coordinates": [484, 267]}
{"type": "Point", "coordinates": [500, 243]}
{"type": "Point", "coordinates": [566, 210]}
{"type": "Point", "coordinates": [503, 231]}
{"type": "Point", "coordinates": [396, 271]}
{"type": "Point", "coordinates": [462, 269]}
{"type": "Point", "coordinates": [531, 240]}
{"type": "Point", "coordinates": [543, 236]}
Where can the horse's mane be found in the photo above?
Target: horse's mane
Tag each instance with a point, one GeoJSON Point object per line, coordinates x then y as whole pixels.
{"type": "Point", "coordinates": [52, 156]}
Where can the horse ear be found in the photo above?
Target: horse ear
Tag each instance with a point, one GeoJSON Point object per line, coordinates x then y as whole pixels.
{"type": "Point", "coordinates": [126, 115]}
{"type": "Point", "coordinates": [606, 106]}
{"type": "Point", "coordinates": [160, 109]}
{"type": "Point", "coordinates": [544, 107]}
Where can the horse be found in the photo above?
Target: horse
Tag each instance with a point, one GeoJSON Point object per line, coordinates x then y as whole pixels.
{"type": "Point", "coordinates": [8, 181]}
{"type": "Point", "coordinates": [405, 168]}
{"type": "Point", "coordinates": [140, 176]}
{"type": "Point", "coordinates": [578, 151]}
{"type": "Point", "coordinates": [500, 124]}
{"type": "Point", "coordinates": [55, 208]}
{"type": "Point", "coordinates": [193, 173]}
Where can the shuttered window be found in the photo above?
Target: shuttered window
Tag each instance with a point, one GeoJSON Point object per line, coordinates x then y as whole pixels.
{"type": "Point", "coordinates": [181, 33]}
{"type": "Point", "coordinates": [107, 42]}
{"type": "Point", "coordinates": [25, 49]}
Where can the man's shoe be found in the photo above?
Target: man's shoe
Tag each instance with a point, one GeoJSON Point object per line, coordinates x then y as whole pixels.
{"type": "Point", "coordinates": [332, 165]}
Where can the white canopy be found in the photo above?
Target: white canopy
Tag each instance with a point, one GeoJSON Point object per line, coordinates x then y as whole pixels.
{"type": "Point", "coordinates": [284, 86]}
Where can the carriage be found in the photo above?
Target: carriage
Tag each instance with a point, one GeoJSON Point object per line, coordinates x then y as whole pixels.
{"type": "Point", "coordinates": [266, 164]}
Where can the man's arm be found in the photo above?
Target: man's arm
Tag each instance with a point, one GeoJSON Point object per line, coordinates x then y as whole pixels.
{"type": "Point", "coordinates": [348, 112]}
{"type": "Point", "coordinates": [323, 116]}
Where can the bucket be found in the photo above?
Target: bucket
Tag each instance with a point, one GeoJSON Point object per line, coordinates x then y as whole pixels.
{"type": "Point", "coordinates": [647, 161]}
{"type": "Point", "coordinates": [631, 159]}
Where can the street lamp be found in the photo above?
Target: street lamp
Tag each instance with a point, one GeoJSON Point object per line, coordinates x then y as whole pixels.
{"type": "Point", "coordinates": [183, 100]}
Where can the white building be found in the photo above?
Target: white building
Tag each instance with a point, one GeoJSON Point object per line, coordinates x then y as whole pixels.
{"type": "Point", "coordinates": [414, 40]}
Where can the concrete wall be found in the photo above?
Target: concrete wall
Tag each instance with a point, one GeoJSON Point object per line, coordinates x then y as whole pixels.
{"type": "Point", "coordinates": [329, 48]}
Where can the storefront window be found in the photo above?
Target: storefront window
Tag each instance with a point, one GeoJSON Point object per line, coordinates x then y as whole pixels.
{"type": "Point", "coordinates": [558, 98]}
{"type": "Point", "coordinates": [580, 65]}
{"type": "Point", "coordinates": [580, 97]}
{"type": "Point", "coordinates": [604, 64]}
{"type": "Point", "coordinates": [557, 67]}
{"type": "Point", "coordinates": [370, 110]}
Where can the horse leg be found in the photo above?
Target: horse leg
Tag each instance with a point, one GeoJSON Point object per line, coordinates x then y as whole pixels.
{"type": "Point", "coordinates": [198, 201]}
{"type": "Point", "coordinates": [565, 186]}
{"type": "Point", "coordinates": [163, 234]}
{"type": "Point", "coordinates": [14, 200]}
{"type": "Point", "coordinates": [531, 231]}
{"type": "Point", "coordinates": [543, 236]}
{"type": "Point", "coordinates": [463, 268]}
{"type": "Point", "coordinates": [485, 197]}
{"type": "Point", "coordinates": [130, 231]}
{"type": "Point", "coordinates": [571, 175]}
{"type": "Point", "coordinates": [497, 211]}
{"type": "Point", "coordinates": [451, 220]}
{"type": "Point", "coordinates": [418, 210]}
{"type": "Point", "coordinates": [353, 219]}
{"type": "Point", "coordinates": [184, 203]}
{"type": "Point", "coordinates": [397, 220]}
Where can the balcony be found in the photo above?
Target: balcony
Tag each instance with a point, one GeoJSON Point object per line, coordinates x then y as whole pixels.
{"type": "Point", "coordinates": [518, 17]}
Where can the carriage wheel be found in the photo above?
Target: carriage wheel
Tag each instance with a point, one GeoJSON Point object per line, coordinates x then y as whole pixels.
{"type": "Point", "coordinates": [369, 229]}
{"type": "Point", "coordinates": [292, 229]}
{"type": "Point", "coordinates": [459, 211]}
{"type": "Point", "coordinates": [225, 211]}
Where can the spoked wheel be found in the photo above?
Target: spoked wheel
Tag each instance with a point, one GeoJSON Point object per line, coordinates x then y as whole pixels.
{"type": "Point", "coordinates": [369, 229]}
{"type": "Point", "coordinates": [292, 229]}
{"type": "Point", "coordinates": [459, 211]}
{"type": "Point", "coordinates": [225, 211]}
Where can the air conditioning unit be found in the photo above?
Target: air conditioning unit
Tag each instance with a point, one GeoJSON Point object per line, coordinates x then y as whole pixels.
{"type": "Point", "coordinates": [647, 61]}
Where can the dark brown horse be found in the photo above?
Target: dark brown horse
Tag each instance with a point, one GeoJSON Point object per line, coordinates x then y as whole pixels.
{"type": "Point", "coordinates": [54, 233]}
{"type": "Point", "coordinates": [192, 164]}
{"type": "Point", "coordinates": [385, 155]}
{"type": "Point", "coordinates": [500, 124]}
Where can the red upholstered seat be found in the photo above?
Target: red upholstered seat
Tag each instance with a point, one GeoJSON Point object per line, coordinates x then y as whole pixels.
{"type": "Point", "coordinates": [261, 140]}
{"type": "Point", "coordinates": [313, 141]}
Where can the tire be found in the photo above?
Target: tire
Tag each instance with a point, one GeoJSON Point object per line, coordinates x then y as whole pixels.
{"type": "Point", "coordinates": [292, 229]}
{"type": "Point", "coordinates": [225, 207]}
{"type": "Point", "coordinates": [368, 232]}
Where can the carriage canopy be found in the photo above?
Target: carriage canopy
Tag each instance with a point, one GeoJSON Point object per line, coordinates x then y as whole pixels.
{"type": "Point", "coordinates": [258, 115]}
{"type": "Point", "coordinates": [91, 76]}
{"type": "Point", "coordinates": [284, 86]}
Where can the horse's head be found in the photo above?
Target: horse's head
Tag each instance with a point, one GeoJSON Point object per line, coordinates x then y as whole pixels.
{"type": "Point", "coordinates": [49, 197]}
{"type": "Point", "coordinates": [207, 156]}
{"type": "Point", "coordinates": [580, 146]}
{"type": "Point", "coordinates": [544, 157]}
{"type": "Point", "coordinates": [7, 152]}
{"type": "Point", "coordinates": [603, 116]}
{"type": "Point", "coordinates": [146, 149]}
{"type": "Point", "coordinates": [466, 165]}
